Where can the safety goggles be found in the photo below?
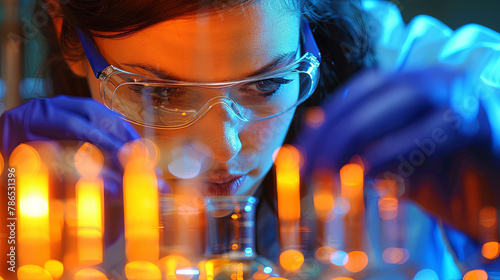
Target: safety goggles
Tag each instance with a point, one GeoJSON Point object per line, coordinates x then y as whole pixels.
{"type": "Point", "coordinates": [171, 104]}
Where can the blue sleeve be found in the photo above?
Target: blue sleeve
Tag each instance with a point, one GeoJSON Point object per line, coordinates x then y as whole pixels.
{"type": "Point", "coordinates": [427, 42]}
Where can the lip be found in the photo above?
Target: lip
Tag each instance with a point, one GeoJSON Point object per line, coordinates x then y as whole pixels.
{"type": "Point", "coordinates": [224, 185]}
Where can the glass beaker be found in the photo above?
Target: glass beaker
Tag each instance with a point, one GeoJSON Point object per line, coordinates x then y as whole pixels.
{"type": "Point", "coordinates": [230, 234]}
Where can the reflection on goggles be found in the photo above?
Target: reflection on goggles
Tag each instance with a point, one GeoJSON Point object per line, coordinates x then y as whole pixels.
{"type": "Point", "coordinates": [174, 104]}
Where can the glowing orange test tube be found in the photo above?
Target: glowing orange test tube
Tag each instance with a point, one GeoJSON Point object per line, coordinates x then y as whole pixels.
{"type": "Point", "coordinates": [33, 235]}
{"type": "Point", "coordinates": [140, 195]}
{"type": "Point", "coordinates": [288, 188]}
{"type": "Point", "coordinates": [89, 200]}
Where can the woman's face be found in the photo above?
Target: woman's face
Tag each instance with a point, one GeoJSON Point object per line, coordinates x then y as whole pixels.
{"type": "Point", "coordinates": [219, 154]}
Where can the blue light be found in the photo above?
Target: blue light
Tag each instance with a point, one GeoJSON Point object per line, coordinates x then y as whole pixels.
{"type": "Point", "coordinates": [426, 274]}
{"type": "Point", "coordinates": [339, 258]}
{"type": "Point", "coordinates": [187, 271]}
{"type": "Point", "coordinates": [251, 199]}
{"type": "Point", "coordinates": [491, 83]}
{"type": "Point", "coordinates": [267, 270]}
{"type": "Point", "coordinates": [344, 94]}
{"type": "Point", "coordinates": [342, 205]}
{"type": "Point", "coordinates": [3, 89]}
{"type": "Point", "coordinates": [248, 252]}
{"type": "Point", "coordinates": [248, 208]}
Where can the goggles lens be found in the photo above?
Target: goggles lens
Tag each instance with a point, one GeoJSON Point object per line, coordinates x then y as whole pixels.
{"type": "Point", "coordinates": [174, 104]}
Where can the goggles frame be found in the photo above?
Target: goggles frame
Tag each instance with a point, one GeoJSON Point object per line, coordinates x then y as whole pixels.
{"type": "Point", "coordinates": [103, 71]}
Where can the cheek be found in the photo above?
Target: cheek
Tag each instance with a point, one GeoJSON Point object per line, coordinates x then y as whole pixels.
{"type": "Point", "coordinates": [266, 136]}
{"type": "Point", "coordinates": [260, 141]}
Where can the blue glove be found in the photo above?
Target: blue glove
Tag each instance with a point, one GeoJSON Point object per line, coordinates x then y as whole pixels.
{"type": "Point", "coordinates": [391, 119]}
{"type": "Point", "coordinates": [79, 119]}
{"type": "Point", "coordinates": [412, 124]}
{"type": "Point", "coordinates": [64, 118]}
{"type": "Point", "coordinates": [67, 118]}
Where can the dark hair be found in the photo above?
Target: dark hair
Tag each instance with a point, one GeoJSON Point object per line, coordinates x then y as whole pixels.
{"type": "Point", "coordinates": [338, 27]}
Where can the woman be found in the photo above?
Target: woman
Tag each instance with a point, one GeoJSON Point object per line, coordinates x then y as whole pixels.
{"type": "Point", "coordinates": [194, 41]}
{"type": "Point", "coordinates": [195, 45]}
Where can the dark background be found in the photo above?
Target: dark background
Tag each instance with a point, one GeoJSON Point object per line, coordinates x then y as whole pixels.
{"type": "Point", "coordinates": [454, 13]}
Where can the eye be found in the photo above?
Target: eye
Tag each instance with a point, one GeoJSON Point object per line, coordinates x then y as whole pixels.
{"type": "Point", "coordinates": [266, 87]}
{"type": "Point", "coordinates": [155, 91]}
{"type": "Point", "coordinates": [158, 95]}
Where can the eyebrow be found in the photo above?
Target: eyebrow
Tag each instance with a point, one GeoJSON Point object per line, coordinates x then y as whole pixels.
{"type": "Point", "coordinates": [162, 74]}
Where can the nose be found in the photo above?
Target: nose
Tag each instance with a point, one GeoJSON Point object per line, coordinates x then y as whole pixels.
{"type": "Point", "coordinates": [219, 130]}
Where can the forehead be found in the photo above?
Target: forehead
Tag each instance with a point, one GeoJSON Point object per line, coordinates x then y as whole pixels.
{"type": "Point", "coordinates": [211, 46]}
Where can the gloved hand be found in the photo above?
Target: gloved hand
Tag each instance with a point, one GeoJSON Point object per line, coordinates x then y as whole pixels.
{"type": "Point", "coordinates": [417, 126]}
{"type": "Point", "coordinates": [67, 118]}
{"type": "Point", "coordinates": [80, 119]}
{"type": "Point", "coordinates": [64, 118]}
{"type": "Point", "coordinates": [392, 120]}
